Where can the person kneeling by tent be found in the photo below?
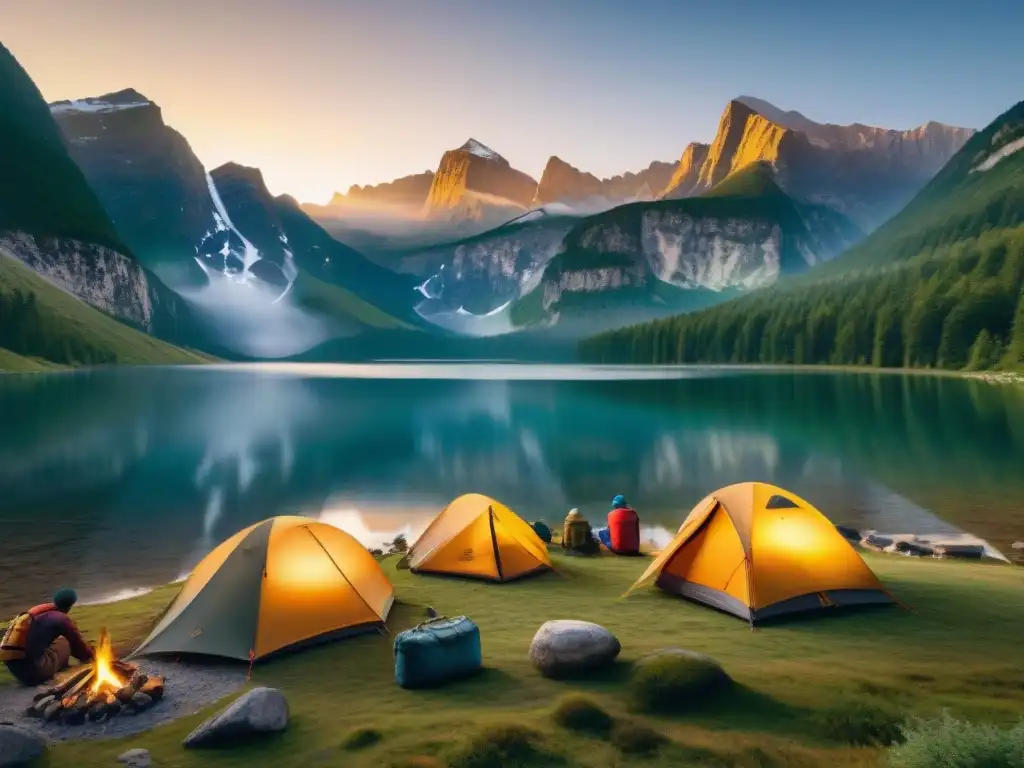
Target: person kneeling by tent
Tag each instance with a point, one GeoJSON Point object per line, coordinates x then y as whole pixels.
{"type": "Point", "coordinates": [577, 538]}
{"type": "Point", "coordinates": [39, 643]}
{"type": "Point", "coordinates": [623, 528]}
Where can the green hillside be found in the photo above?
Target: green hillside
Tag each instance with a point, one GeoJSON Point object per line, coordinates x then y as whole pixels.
{"type": "Point", "coordinates": [41, 325]}
{"type": "Point", "coordinates": [960, 203]}
{"type": "Point", "coordinates": [940, 285]}
{"type": "Point", "coordinates": [42, 191]}
{"type": "Point", "coordinates": [341, 305]}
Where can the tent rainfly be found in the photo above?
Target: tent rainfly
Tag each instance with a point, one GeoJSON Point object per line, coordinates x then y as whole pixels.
{"type": "Point", "coordinates": [478, 537]}
{"type": "Point", "coordinates": [281, 583]}
{"type": "Point", "coordinates": [758, 551]}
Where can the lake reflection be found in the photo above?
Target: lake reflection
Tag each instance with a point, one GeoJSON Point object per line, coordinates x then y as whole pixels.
{"type": "Point", "coordinates": [117, 480]}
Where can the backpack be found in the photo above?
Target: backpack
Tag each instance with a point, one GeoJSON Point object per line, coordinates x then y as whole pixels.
{"type": "Point", "coordinates": [14, 645]}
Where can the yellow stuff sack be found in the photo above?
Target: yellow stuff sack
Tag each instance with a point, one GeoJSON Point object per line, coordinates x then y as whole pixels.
{"type": "Point", "coordinates": [15, 643]}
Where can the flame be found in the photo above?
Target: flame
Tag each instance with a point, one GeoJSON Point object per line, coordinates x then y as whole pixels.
{"type": "Point", "coordinates": [105, 675]}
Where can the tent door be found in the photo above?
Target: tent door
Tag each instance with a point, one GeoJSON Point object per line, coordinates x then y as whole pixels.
{"type": "Point", "coordinates": [494, 543]}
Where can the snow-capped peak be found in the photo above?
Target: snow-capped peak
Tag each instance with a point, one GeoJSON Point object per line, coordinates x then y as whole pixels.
{"type": "Point", "coordinates": [474, 147]}
{"type": "Point", "coordinates": [101, 103]}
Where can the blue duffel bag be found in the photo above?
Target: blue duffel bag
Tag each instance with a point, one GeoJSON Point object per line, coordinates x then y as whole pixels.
{"type": "Point", "coordinates": [437, 651]}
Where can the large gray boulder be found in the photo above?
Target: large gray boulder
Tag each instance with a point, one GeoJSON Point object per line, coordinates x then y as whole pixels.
{"type": "Point", "coordinates": [567, 647]}
{"type": "Point", "coordinates": [18, 746]}
{"type": "Point", "coordinates": [259, 711]}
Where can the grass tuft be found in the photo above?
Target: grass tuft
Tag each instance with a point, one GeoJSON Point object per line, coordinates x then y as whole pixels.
{"type": "Point", "coordinates": [862, 725]}
{"type": "Point", "coordinates": [578, 713]}
{"type": "Point", "coordinates": [633, 738]}
{"type": "Point", "coordinates": [361, 738]}
{"type": "Point", "coordinates": [419, 761]}
{"type": "Point", "coordinates": [669, 682]}
{"type": "Point", "coordinates": [953, 743]}
{"type": "Point", "coordinates": [512, 745]}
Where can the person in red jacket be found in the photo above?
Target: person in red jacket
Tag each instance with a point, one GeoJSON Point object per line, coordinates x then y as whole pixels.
{"type": "Point", "coordinates": [52, 639]}
{"type": "Point", "coordinates": [623, 528]}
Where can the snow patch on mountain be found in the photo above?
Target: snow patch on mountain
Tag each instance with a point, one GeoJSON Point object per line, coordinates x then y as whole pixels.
{"type": "Point", "coordinates": [474, 147]}
{"type": "Point", "coordinates": [94, 105]}
{"type": "Point", "coordinates": [1004, 151]}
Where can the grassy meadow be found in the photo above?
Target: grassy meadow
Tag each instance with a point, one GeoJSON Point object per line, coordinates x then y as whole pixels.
{"type": "Point", "coordinates": [807, 691]}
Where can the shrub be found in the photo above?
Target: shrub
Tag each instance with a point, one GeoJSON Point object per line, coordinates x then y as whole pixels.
{"type": "Point", "coordinates": [952, 743]}
{"type": "Point", "coordinates": [578, 713]}
{"type": "Point", "coordinates": [861, 724]}
{"type": "Point", "coordinates": [514, 746]}
{"type": "Point", "coordinates": [633, 738]}
{"type": "Point", "coordinates": [361, 738]}
{"type": "Point", "coordinates": [676, 681]}
{"type": "Point", "coordinates": [419, 761]}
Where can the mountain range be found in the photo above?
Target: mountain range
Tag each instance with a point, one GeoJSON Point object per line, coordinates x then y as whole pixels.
{"type": "Point", "coordinates": [117, 223]}
{"type": "Point", "coordinates": [941, 284]}
{"type": "Point", "coordinates": [65, 270]}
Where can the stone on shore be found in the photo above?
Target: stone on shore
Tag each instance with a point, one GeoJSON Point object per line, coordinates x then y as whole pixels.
{"type": "Point", "coordinates": [568, 647]}
{"type": "Point", "coordinates": [135, 758]}
{"type": "Point", "coordinates": [18, 746]}
{"type": "Point", "coordinates": [259, 711]}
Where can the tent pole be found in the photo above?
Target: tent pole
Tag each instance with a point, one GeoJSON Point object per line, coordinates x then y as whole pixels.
{"type": "Point", "coordinates": [494, 542]}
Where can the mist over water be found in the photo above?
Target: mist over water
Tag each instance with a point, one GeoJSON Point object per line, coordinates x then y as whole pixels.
{"type": "Point", "coordinates": [255, 319]}
{"type": "Point", "coordinates": [116, 481]}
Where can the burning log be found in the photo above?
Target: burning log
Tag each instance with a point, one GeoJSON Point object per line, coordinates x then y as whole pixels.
{"type": "Point", "coordinates": [97, 691]}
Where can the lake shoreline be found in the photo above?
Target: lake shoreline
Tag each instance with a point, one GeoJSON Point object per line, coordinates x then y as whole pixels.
{"type": "Point", "coordinates": [1012, 378]}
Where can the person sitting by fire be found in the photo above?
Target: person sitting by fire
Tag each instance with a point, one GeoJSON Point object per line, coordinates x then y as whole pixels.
{"type": "Point", "coordinates": [40, 642]}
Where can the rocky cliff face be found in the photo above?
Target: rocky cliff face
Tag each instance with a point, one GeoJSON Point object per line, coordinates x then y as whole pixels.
{"type": "Point", "coordinates": [405, 194]}
{"type": "Point", "coordinates": [864, 172]}
{"type": "Point", "coordinates": [647, 260]}
{"type": "Point", "coordinates": [483, 273]}
{"type": "Point", "coordinates": [252, 210]}
{"type": "Point", "coordinates": [564, 183]}
{"type": "Point", "coordinates": [475, 182]}
{"type": "Point", "coordinates": [98, 275]}
{"type": "Point", "coordinates": [685, 179]}
{"type": "Point", "coordinates": [145, 173]}
{"type": "Point", "coordinates": [51, 219]}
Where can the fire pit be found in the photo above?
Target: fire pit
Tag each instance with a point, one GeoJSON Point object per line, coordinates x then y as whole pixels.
{"type": "Point", "coordinates": [98, 691]}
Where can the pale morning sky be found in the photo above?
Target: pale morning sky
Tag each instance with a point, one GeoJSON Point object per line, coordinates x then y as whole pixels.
{"type": "Point", "coordinates": [321, 94]}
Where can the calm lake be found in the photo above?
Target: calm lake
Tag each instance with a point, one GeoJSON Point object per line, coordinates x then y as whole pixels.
{"type": "Point", "coordinates": [118, 480]}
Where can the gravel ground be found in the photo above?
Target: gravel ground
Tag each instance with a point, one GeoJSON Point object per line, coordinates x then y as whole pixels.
{"type": "Point", "coordinates": [190, 687]}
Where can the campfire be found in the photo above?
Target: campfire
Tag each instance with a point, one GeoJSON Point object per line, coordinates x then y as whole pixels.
{"type": "Point", "coordinates": [98, 691]}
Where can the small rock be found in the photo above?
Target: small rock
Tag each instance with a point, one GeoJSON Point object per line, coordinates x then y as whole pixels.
{"type": "Point", "coordinates": [135, 758]}
{"type": "Point", "coordinates": [972, 551]}
{"type": "Point", "coordinates": [848, 533]}
{"type": "Point", "coordinates": [18, 746]}
{"type": "Point", "coordinates": [566, 647]}
{"type": "Point", "coordinates": [913, 548]}
{"type": "Point", "coordinates": [876, 541]}
{"type": "Point", "coordinates": [261, 710]}
{"type": "Point", "coordinates": [141, 701]}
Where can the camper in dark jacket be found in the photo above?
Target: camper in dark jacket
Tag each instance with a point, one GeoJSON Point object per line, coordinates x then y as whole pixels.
{"type": "Point", "coordinates": [52, 639]}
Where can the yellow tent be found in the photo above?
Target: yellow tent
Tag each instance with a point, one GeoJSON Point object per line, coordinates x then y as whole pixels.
{"type": "Point", "coordinates": [758, 551]}
{"type": "Point", "coordinates": [273, 585]}
{"type": "Point", "coordinates": [479, 537]}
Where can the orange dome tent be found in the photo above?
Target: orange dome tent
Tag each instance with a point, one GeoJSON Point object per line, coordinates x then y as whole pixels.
{"type": "Point", "coordinates": [758, 551]}
{"type": "Point", "coordinates": [274, 585]}
{"type": "Point", "coordinates": [479, 537]}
